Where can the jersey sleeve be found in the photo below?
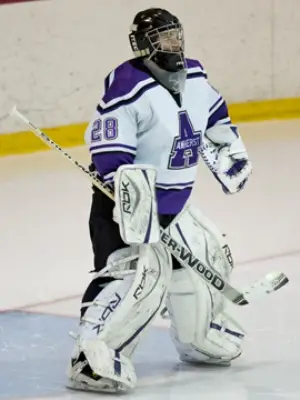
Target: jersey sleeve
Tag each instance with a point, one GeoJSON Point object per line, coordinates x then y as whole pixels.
{"type": "Point", "coordinates": [112, 133]}
{"type": "Point", "coordinates": [218, 110]}
{"type": "Point", "coordinates": [112, 141]}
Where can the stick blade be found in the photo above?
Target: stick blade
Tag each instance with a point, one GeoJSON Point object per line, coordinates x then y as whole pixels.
{"type": "Point", "coordinates": [276, 281]}
{"type": "Point", "coordinates": [259, 289]}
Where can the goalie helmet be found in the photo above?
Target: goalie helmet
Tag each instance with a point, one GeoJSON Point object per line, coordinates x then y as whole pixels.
{"type": "Point", "coordinates": [156, 34]}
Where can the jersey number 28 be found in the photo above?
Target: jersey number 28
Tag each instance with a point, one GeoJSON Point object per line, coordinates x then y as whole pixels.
{"type": "Point", "coordinates": [185, 149]}
{"type": "Point", "coordinates": [107, 129]}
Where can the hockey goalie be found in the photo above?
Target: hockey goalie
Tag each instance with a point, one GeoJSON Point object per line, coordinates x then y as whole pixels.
{"type": "Point", "coordinates": [158, 117]}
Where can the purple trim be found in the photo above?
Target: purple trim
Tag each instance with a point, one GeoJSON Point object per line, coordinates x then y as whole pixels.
{"type": "Point", "coordinates": [108, 180]}
{"type": "Point", "coordinates": [137, 95]}
{"type": "Point", "coordinates": [196, 75]}
{"type": "Point", "coordinates": [166, 185]}
{"type": "Point", "coordinates": [235, 130]}
{"type": "Point", "coordinates": [172, 201]}
{"type": "Point", "coordinates": [113, 146]}
{"type": "Point", "coordinates": [117, 363]}
{"type": "Point", "coordinates": [214, 89]}
{"type": "Point", "coordinates": [233, 333]}
{"type": "Point", "coordinates": [220, 100]}
{"type": "Point", "coordinates": [106, 83]}
{"type": "Point", "coordinates": [147, 237]}
{"type": "Point", "coordinates": [191, 63]}
{"type": "Point", "coordinates": [138, 331]}
{"type": "Point", "coordinates": [220, 113]}
{"type": "Point", "coordinates": [124, 102]}
{"type": "Point", "coordinates": [106, 163]}
{"type": "Point", "coordinates": [126, 77]}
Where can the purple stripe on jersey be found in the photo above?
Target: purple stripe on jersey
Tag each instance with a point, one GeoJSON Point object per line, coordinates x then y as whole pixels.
{"type": "Point", "coordinates": [166, 185]}
{"type": "Point", "coordinates": [172, 201]}
{"type": "Point", "coordinates": [106, 83]}
{"type": "Point", "coordinates": [199, 74]}
{"type": "Point", "coordinates": [124, 102]}
{"type": "Point", "coordinates": [126, 77]}
{"type": "Point", "coordinates": [235, 130]}
{"type": "Point", "coordinates": [220, 113]}
{"type": "Point", "coordinates": [110, 162]}
{"type": "Point", "coordinates": [193, 63]}
{"type": "Point", "coordinates": [139, 93]}
{"type": "Point", "coordinates": [109, 180]}
{"type": "Point", "coordinates": [220, 100]}
{"type": "Point", "coordinates": [112, 146]}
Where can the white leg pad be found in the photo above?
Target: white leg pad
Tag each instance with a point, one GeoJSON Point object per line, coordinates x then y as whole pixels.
{"type": "Point", "coordinates": [114, 321]}
{"type": "Point", "coordinates": [201, 330]}
{"type": "Point", "coordinates": [198, 337]}
{"type": "Point", "coordinates": [196, 232]}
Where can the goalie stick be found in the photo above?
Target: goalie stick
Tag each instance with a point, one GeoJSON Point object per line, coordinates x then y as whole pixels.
{"type": "Point", "coordinates": [270, 283]}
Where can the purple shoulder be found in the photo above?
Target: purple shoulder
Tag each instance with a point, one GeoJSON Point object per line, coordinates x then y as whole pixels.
{"type": "Point", "coordinates": [191, 63]}
{"type": "Point", "coordinates": [122, 80]}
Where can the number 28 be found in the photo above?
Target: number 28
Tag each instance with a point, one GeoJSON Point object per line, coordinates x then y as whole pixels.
{"type": "Point", "coordinates": [106, 129]}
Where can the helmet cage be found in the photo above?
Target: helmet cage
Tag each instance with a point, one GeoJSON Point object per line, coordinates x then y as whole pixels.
{"type": "Point", "coordinates": [165, 39]}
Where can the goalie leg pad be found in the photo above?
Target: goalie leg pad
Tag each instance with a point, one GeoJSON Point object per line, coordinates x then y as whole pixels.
{"type": "Point", "coordinates": [113, 323]}
{"type": "Point", "coordinates": [197, 335]}
{"type": "Point", "coordinates": [198, 234]}
{"type": "Point", "coordinates": [200, 328]}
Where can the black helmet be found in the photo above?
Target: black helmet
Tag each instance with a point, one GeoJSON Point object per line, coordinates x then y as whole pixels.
{"type": "Point", "coordinates": [158, 35]}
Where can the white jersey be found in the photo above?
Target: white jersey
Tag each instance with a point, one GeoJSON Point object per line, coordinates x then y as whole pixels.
{"type": "Point", "coordinates": [140, 121]}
